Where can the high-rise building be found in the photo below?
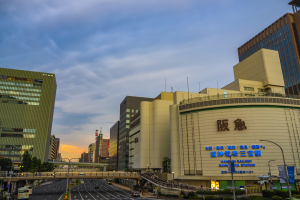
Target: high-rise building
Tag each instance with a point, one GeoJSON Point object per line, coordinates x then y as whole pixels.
{"type": "Point", "coordinates": [113, 148]}
{"type": "Point", "coordinates": [283, 36]}
{"type": "Point", "coordinates": [53, 148]}
{"type": "Point", "coordinates": [57, 147]}
{"type": "Point", "coordinates": [91, 152]}
{"type": "Point", "coordinates": [149, 136]}
{"type": "Point", "coordinates": [105, 147]}
{"type": "Point", "coordinates": [98, 148]}
{"type": "Point", "coordinates": [84, 157]}
{"type": "Point", "coordinates": [27, 104]}
{"type": "Point", "coordinates": [129, 107]}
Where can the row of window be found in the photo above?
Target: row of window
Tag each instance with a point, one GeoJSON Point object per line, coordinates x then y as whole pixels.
{"type": "Point", "coordinates": [17, 135]}
{"type": "Point", "coordinates": [13, 158]}
{"type": "Point", "coordinates": [19, 97]}
{"type": "Point", "coordinates": [16, 147]}
{"type": "Point", "coordinates": [24, 130]}
{"type": "Point", "coordinates": [21, 84]}
{"type": "Point", "coordinates": [132, 111]}
{"type": "Point", "coordinates": [20, 93]}
{"type": "Point", "coordinates": [22, 102]}
{"type": "Point", "coordinates": [281, 41]}
{"type": "Point", "coordinates": [19, 88]}
{"type": "Point", "coordinates": [12, 78]}
{"type": "Point", "coordinates": [252, 89]}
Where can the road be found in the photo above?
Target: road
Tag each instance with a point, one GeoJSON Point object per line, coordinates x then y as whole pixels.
{"type": "Point", "coordinates": [50, 190]}
{"type": "Point", "coordinates": [87, 190]}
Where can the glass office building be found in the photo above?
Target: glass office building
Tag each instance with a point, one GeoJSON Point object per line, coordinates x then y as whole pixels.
{"type": "Point", "coordinates": [113, 149]}
{"type": "Point", "coordinates": [281, 36]}
{"type": "Point", "coordinates": [26, 112]}
{"type": "Point", "coordinates": [129, 107]}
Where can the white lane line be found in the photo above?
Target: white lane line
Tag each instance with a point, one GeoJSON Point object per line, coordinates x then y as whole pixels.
{"type": "Point", "coordinates": [80, 195]}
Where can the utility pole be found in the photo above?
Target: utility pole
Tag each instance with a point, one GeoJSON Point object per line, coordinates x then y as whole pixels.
{"type": "Point", "coordinates": [233, 187]}
{"type": "Point", "coordinates": [285, 170]}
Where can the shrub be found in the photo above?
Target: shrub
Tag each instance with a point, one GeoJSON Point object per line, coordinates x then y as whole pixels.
{"type": "Point", "coordinates": [238, 192]}
{"type": "Point", "coordinates": [296, 192]}
{"type": "Point", "coordinates": [276, 198]}
{"type": "Point", "coordinates": [209, 197]}
{"type": "Point", "coordinates": [281, 193]}
{"type": "Point", "coordinates": [268, 193]}
{"type": "Point", "coordinates": [297, 196]}
{"type": "Point", "coordinates": [256, 198]}
{"type": "Point", "coordinates": [77, 181]}
{"type": "Point", "coordinates": [191, 194]}
{"type": "Point", "coordinates": [228, 198]}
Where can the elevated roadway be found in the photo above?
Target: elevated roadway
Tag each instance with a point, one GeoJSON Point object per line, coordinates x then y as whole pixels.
{"type": "Point", "coordinates": [75, 175]}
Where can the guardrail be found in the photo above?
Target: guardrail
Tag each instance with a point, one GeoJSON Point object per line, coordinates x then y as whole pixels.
{"type": "Point", "coordinates": [48, 175]}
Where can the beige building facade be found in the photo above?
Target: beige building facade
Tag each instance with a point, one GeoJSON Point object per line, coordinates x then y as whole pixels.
{"type": "Point", "coordinates": [149, 136]}
{"type": "Point", "coordinates": [207, 128]}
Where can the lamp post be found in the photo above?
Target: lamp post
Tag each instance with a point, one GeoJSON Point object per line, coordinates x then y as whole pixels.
{"type": "Point", "coordinates": [285, 170]}
{"type": "Point", "coordinates": [68, 173]}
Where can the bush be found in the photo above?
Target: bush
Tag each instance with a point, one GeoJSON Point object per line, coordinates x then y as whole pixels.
{"type": "Point", "coordinates": [77, 181]}
{"type": "Point", "coordinates": [268, 193]}
{"type": "Point", "coordinates": [297, 196]}
{"type": "Point", "coordinates": [238, 192]}
{"type": "Point", "coordinates": [209, 197]}
{"type": "Point", "coordinates": [228, 198]}
{"type": "Point", "coordinates": [276, 198]}
{"type": "Point", "coordinates": [281, 193]}
{"type": "Point", "coordinates": [256, 198]}
{"type": "Point", "coordinates": [296, 192]}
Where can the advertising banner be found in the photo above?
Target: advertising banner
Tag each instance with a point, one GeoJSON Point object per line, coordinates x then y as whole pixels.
{"type": "Point", "coordinates": [291, 173]}
{"type": "Point", "coordinates": [282, 174]}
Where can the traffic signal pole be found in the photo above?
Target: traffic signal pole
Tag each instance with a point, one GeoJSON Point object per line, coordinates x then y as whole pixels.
{"type": "Point", "coordinates": [233, 187]}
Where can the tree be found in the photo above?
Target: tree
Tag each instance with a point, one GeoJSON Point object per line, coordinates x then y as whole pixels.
{"type": "Point", "coordinates": [5, 163]}
{"type": "Point", "coordinates": [26, 162]}
{"type": "Point", "coordinates": [47, 167]}
{"type": "Point", "coordinates": [35, 164]}
{"type": "Point", "coordinates": [166, 164]}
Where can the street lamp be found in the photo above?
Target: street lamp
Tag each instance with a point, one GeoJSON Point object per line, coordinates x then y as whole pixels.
{"type": "Point", "coordinates": [68, 173]}
{"type": "Point", "coordinates": [287, 176]}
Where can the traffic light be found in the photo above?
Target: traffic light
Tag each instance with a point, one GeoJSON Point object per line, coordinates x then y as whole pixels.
{"type": "Point", "coordinates": [53, 174]}
{"type": "Point", "coordinates": [22, 174]}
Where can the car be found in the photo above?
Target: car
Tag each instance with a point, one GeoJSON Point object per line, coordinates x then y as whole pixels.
{"type": "Point", "coordinates": [135, 194]}
{"type": "Point", "coordinates": [96, 186]}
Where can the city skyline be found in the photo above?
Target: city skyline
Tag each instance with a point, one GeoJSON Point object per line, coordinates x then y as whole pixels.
{"type": "Point", "coordinates": [101, 50]}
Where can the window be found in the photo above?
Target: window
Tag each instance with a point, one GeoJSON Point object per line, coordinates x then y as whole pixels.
{"type": "Point", "coordinates": [127, 126]}
{"type": "Point", "coordinates": [127, 121]}
{"type": "Point", "coordinates": [127, 115]}
{"type": "Point", "coordinates": [136, 140]}
{"type": "Point", "coordinates": [136, 111]}
{"type": "Point", "coordinates": [127, 110]}
{"type": "Point", "coordinates": [248, 88]}
{"type": "Point", "coordinates": [132, 110]}
{"type": "Point", "coordinates": [260, 90]}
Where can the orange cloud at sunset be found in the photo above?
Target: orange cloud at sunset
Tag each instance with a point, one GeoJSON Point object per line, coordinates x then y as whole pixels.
{"type": "Point", "coordinates": [69, 151]}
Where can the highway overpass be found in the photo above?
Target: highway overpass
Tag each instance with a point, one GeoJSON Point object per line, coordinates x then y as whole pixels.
{"type": "Point", "coordinates": [75, 175]}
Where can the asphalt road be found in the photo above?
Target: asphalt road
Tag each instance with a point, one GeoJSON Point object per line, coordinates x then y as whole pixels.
{"type": "Point", "coordinates": [50, 190]}
{"type": "Point", "coordinates": [87, 191]}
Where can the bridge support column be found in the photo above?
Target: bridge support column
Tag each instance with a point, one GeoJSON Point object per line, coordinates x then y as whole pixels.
{"type": "Point", "coordinates": [104, 168]}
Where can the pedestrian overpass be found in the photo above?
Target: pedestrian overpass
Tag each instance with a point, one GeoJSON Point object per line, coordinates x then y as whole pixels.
{"type": "Point", "coordinates": [72, 175]}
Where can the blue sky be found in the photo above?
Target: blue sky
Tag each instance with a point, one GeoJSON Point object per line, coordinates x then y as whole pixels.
{"type": "Point", "coordinates": [103, 50]}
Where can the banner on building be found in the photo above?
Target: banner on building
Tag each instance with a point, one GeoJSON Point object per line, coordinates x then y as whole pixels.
{"type": "Point", "coordinates": [291, 173]}
{"type": "Point", "coordinates": [282, 174]}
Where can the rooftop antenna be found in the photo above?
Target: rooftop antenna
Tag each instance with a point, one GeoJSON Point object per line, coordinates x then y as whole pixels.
{"type": "Point", "coordinates": [217, 87]}
{"type": "Point", "coordinates": [171, 89]}
{"type": "Point", "coordinates": [199, 88]}
{"type": "Point", "coordinates": [188, 89]}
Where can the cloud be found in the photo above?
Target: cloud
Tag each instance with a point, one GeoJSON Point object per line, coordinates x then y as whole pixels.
{"type": "Point", "coordinates": [69, 151]}
{"type": "Point", "coordinates": [103, 50]}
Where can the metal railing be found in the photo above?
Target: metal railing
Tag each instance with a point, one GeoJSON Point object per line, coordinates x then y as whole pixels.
{"type": "Point", "coordinates": [236, 95]}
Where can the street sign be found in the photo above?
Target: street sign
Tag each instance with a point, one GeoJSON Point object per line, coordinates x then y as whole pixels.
{"type": "Point", "coordinates": [10, 172]}
{"type": "Point", "coordinates": [2, 187]}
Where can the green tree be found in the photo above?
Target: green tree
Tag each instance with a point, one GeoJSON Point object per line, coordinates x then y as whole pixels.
{"type": "Point", "coordinates": [5, 163]}
{"type": "Point", "coordinates": [35, 164]}
{"type": "Point", "coordinates": [47, 167]}
{"type": "Point", "coordinates": [26, 162]}
{"type": "Point", "coordinates": [166, 164]}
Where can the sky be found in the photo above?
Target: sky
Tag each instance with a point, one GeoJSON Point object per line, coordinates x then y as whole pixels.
{"type": "Point", "coordinates": [103, 50]}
